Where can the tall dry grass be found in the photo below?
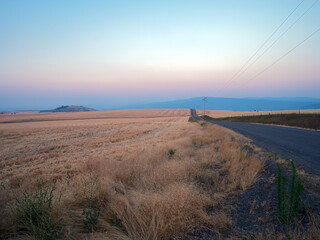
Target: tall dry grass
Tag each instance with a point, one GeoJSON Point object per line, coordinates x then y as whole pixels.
{"type": "Point", "coordinates": [124, 167]}
{"type": "Point", "coordinates": [293, 232]}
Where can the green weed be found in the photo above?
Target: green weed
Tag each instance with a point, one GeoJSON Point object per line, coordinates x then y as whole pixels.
{"type": "Point", "coordinates": [116, 221]}
{"type": "Point", "coordinates": [289, 203]}
{"type": "Point", "coordinates": [91, 214]}
{"type": "Point", "coordinates": [35, 214]}
{"type": "Point", "coordinates": [171, 153]}
{"type": "Point", "coordinates": [191, 119]}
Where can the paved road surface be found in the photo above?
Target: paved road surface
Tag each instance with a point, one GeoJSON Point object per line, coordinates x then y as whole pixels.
{"type": "Point", "coordinates": [301, 146]}
{"type": "Point", "coordinates": [194, 114]}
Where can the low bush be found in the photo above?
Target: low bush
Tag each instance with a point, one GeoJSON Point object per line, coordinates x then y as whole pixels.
{"type": "Point", "coordinates": [116, 221]}
{"type": "Point", "coordinates": [171, 153]}
{"type": "Point", "coordinates": [35, 214]}
{"type": "Point", "coordinates": [191, 119]}
{"type": "Point", "coordinates": [91, 213]}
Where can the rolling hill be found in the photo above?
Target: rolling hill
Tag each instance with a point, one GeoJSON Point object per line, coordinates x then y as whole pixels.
{"type": "Point", "coordinates": [70, 109]}
{"type": "Point", "coordinates": [238, 104]}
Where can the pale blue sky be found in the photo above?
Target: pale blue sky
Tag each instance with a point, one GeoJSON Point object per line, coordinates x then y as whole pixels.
{"type": "Point", "coordinates": [98, 53]}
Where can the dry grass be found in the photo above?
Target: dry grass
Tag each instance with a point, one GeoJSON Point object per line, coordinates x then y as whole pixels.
{"type": "Point", "coordinates": [123, 165]}
{"type": "Point", "coordinates": [223, 114]}
{"type": "Point", "coordinates": [292, 232]}
{"type": "Point", "coordinates": [132, 113]}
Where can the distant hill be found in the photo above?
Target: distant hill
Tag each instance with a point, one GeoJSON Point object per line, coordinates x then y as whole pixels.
{"type": "Point", "coordinates": [239, 104]}
{"type": "Point", "coordinates": [70, 109]}
{"type": "Point", "coordinates": [20, 112]}
{"type": "Point", "coordinates": [313, 106]}
{"type": "Point", "coordinates": [290, 99]}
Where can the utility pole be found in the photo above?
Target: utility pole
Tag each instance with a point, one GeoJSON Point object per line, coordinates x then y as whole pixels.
{"type": "Point", "coordinates": [204, 105]}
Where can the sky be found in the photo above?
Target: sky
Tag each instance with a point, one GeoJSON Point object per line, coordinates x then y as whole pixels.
{"type": "Point", "coordinates": [107, 54]}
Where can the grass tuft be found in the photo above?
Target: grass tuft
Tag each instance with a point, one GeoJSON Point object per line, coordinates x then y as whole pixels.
{"type": "Point", "coordinates": [171, 153]}
{"type": "Point", "coordinates": [191, 119]}
{"type": "Point", "coordinates": [91, 213]}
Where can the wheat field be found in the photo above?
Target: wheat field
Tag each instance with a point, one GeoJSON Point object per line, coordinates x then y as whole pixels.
{"type": "Point", "coordinates": [150, 177]}
{"type": "Point", "coordinates": [118, 114]}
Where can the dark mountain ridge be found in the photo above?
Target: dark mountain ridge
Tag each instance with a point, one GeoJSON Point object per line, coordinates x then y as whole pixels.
{"type": "Point", "coordinates": [70, 109]}
{"type": "Point", "coordinates": [238, 104]}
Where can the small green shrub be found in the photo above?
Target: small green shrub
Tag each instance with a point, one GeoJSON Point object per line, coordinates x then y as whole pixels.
{"type": "Point", "coordinates": [157, 188]}
{"type": "Point", "coordinates": [289, 203]}
{"type": "Point", "coordinates": [191, 119]}
{"type": "Point", "coordinates": [207, 118]}
{"type": "Point", "coordinates": [91, 213]}
{"type": "Point", "coordinates": [35, 214]}
{"type": "Point", "coordinates": [116, 221]}
{"type": "Point", "coordinates": [171, 153]}
{"type": "Point", "coordinates": [68, 176]}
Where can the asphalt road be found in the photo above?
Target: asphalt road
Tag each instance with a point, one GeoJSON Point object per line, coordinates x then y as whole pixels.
{"type": "Point", "coordinates": [194, 115]}
{"type": "Point", "coordinates": [301, 146]}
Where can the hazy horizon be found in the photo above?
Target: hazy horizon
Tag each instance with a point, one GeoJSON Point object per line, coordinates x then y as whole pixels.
{"type": "Point", "coordinates": [197, 103]}
{"type": "Point", "coordinates": [114, 53]}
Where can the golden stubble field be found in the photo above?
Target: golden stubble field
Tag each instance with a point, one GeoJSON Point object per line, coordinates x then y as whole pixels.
{"type": "Point", "coordinates": [114, 114]}
{"type": "Point", "coordinates": [153, 177]}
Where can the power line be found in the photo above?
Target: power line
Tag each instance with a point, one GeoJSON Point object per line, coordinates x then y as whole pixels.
{"type": "Point", "coordinates": [272, 44]}
{"type": "Point", "coordinates": [204, 105]}
{"type": "Point", "coordinates": [265, 42]}
{"type": "Point", "coordinates": [283, 56]}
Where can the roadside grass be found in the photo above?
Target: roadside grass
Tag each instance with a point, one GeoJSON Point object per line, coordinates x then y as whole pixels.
{"type": "Point", "coordinates": [310, 121]}
{"type": "Point", "coordinates": [191, 119]}
{"type": "Point", "coordinates": [150, 179]}
{"type": "Point", "coordinates": [295, 231]}
{"type": "Point", "coordinates": [289, 223]}
{"type": "Point", "coordinates": [296, 228]}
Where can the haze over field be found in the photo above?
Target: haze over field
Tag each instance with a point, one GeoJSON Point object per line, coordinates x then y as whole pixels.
{"type": "Point", "coordinates": [111, 54]}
